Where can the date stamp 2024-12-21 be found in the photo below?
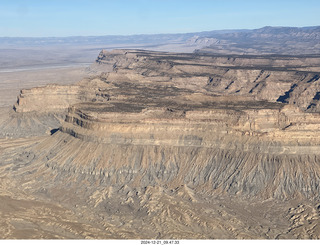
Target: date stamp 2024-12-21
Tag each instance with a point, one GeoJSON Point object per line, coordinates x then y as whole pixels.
{"type": "Point", "coordinates": [160, 242]}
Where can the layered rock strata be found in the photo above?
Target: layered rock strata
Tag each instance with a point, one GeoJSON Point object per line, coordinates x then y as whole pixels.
{"type": "Point", "coordinates": [49, 98]}
{"type": "Point", "coordinates": [183, 101]}
{"type": "Point", "coordinates": [167, 141]}
{"type": "Point", "coordinates": [283, 79]}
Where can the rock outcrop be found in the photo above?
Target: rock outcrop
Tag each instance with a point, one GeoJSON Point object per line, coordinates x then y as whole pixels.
{"type": "Point", "coordinates": [188, 145]}
{"type": "Point", "coordinates": [284, 79]}
{"type": "Point", "coordinates": [50, 98]}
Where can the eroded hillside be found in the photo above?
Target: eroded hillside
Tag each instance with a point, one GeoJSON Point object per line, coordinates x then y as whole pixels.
{"type": "Point", "coordinates": [167, 145]}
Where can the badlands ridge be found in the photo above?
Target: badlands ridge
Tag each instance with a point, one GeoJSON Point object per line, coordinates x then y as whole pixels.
{"type": "Point", "coordinates": [168, 145]}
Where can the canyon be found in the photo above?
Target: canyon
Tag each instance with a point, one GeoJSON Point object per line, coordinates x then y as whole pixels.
{"type": "Point", "coordinates": [161, 145]}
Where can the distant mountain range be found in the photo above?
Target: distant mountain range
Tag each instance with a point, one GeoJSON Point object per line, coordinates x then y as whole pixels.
{"type": "Point", "coordinates": [266, 40]}
{"type": "Point", "coordinates": [113, 39]}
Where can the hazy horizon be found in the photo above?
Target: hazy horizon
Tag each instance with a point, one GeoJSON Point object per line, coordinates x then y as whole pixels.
{"type": "Point", "coordinates": [149, 34]}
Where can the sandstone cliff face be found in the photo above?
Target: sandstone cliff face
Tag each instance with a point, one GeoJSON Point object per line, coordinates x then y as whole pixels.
{"type": "Point", "coordinates": [182, 101]}
{"type": "Point", "coordinates": [138, 138]}
{"type": "Point", "coordinates": [49, 98]}
{"type": "Point", "coordinates": [282, 79]}
{"type": "Point", "coordinates": [178, 142]}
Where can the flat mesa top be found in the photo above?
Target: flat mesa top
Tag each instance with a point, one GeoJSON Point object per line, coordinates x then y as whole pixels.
{"type": "Point", "coordinates": [136, 108]}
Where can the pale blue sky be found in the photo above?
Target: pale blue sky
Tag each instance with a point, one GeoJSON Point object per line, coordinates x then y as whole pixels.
{"type": "Point", "coordinates": [43, 18]}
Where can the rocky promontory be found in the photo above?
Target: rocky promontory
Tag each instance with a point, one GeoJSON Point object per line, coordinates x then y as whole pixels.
{"type": "Point", "coordinates": [195, 146]}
